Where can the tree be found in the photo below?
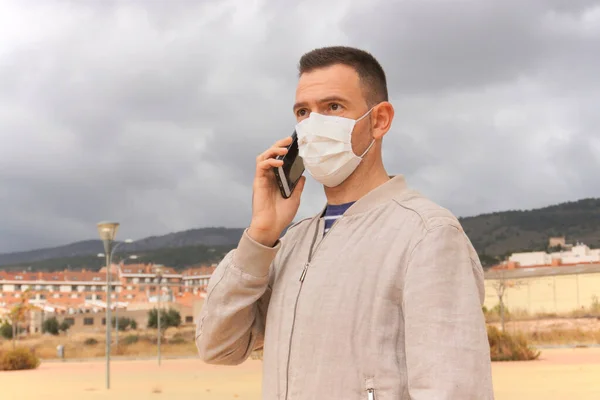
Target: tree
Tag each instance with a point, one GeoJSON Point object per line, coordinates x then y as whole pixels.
{"type": "Point", "coordinates": [500, 285]}
{"type": "Point", "coordinates": [170, 318]}
{"type": "Point", "coordinates": [18, 313]}
{"type": "Point", "coordinates": [51, 326]}
{"type": "Point", "coordinates": [6, 330]}
{"type": "Point", "coordinates": [124, 323]}
{"type": "Point", "coordinates": [64, 326]}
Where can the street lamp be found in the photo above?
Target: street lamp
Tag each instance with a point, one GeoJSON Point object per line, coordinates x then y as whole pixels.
{"type": "Point", "coordinates": [117, 293]}
{"type": "Point", "coordinates": [158, 270]}
{"type": "Point", "coordinates": [108, 231]}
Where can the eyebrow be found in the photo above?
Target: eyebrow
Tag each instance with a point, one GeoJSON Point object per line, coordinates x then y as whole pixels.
{"type": "Point", "coordinates": [327, 99]}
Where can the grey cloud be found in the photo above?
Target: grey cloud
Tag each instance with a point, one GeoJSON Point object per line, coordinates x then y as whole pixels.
{"type": "Point", "coordinates": [454, 45]}
{"type": "Point", "coordinates": [152, 113]}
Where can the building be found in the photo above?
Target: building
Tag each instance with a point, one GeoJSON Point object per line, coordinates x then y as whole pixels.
{"type": "Point", "coordinates": [56, 291]}
{"type": "Point", "coordinates": [577, 254]}
{"type": "Point", "coordinates": [574, 254]}
{"type": "Point", "coordinates": [530, 258]}
{"type": "Point", "coordinates": [195, 279]}
{"type": "Point", "coordinates": [133, 287]}
{"type": "Point", "coordinates": [561, 242]}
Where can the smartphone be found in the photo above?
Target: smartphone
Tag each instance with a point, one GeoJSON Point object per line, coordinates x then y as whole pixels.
{"type": "Point", "coordinates": [291, 171]}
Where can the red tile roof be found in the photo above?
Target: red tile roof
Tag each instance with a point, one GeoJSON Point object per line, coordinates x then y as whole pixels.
{"type": "Point", "coordinates": [199, 271]}
{"type": "Point", "coordinates": [50, 277]}
{"type": "Point", "coordinates": [145, 269]}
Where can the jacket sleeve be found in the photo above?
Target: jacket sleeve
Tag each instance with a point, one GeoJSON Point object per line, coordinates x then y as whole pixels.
{"type": "Point", "coordinates": [231, 323]}
{"type": "Point", "coordinates": [446, 345]}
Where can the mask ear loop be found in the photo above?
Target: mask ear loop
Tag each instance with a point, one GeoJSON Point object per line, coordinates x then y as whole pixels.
{"type": "Point", "coordinates": [365, 114]}
{"type": "Point", "coordinates": [368, 148]}
{"type": "Point", "coordinates": [372, 141]}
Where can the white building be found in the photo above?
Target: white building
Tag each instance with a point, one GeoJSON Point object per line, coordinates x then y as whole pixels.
{"type": "Point", "coordinates": [578, 254]}
{"type": "Point", "coordinates": [531, 258]}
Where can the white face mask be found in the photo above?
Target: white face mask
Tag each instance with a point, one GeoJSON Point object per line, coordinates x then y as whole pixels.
{"type": "Point", "coordinates": [325, 145]}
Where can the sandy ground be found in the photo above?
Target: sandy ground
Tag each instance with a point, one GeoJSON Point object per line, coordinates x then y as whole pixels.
{"type": "Point", "coordinates": [540, 325]}
{"type": "Point", "coordinates": [560, 374]}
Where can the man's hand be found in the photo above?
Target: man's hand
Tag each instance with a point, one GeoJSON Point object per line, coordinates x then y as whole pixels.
{"type": "Point", "coordinates": [271, 212]}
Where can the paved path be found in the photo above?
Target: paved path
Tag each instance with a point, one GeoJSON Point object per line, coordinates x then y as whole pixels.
{"type": "Point", "coordinates": [561, 374]}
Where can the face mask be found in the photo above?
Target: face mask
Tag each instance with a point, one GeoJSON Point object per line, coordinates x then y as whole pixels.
{"type": "Point", "coordinates": [325, 145]}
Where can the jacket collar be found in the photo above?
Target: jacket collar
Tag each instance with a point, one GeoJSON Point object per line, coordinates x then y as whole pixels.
{"type": "Point", "coordinates": [393, 189]}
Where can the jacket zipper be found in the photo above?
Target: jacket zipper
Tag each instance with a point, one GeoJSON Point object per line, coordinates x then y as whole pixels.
{"type": "Point", "coordinates": [311, 253]}
{"type": "Point", "coordinates": [370, 394]}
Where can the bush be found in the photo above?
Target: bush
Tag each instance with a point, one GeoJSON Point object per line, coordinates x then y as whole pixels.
{"type": "Point", "coordinates": [64, 326]}
{"type": "Point", "coordinates": [6, 330]}
{"type": "Point", "coordinates": [51, 326]}
{"type": "Point", "coordinates": [130, 339]}
{"type": "Point", "coordinates": [18, 359]}
{"type": "Point", "coordinates": [178, 338]}
{"type": "Point", "coordinates": [170, 318]}
{"type": "Point", "coordinates": [90, 342]}
{"type": "Point", "coordinates": [507, 347]}
{"type": "Point", "coordinates": [125, 323]}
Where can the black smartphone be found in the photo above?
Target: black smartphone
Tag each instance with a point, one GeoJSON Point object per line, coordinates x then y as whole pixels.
{"type": "Point", "coordinates": [291, 171]}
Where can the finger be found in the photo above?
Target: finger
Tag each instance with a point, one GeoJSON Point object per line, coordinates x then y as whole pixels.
{"type": "Point", "coordinates": [283, 142]}
{"type": "Point", "coordinates": [269, 163]}
{"type": "Point", "coordinates": [271, 153]}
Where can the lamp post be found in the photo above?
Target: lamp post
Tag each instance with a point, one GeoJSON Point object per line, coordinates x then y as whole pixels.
{"type": "Point", "coordinates": [158, 269]}
{"type": "Point", "coordinates": [132, 257]}
{"type": "Point", "coordinates": [108, 231]}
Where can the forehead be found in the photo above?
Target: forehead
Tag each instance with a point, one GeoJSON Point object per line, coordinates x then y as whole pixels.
{"type": "Point", "coordinates": [335, 80]}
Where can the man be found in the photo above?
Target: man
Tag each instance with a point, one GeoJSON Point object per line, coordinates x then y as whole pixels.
{"type": "Point", "coordinates": [379, 295]}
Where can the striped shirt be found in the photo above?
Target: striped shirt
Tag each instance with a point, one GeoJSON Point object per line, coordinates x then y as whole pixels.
{"type": "Point", "coordinates": [333, 213]}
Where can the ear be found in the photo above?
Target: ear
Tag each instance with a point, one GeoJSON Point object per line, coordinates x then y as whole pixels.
{"type": "Point", "coordinates": [381, 119]}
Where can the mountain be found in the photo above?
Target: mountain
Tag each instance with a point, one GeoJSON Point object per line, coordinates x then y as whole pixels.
{"type": "Point", "coordinates": [494, 235]}
{"type": "Point", "coordinates": [501, 233]}
{"type": "Point", "coordinates": [208, 237]}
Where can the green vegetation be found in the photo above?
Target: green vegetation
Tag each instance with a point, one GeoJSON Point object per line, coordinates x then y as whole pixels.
{"type": "Point", "coordinates": [6, 330]}
{"type": "Point", "coordinates": [18, 359]}
{"type": "Point", "coordinates": [177, 257]}
{"type": "Point", "coordinates": [507, 347]}
{"type": "Point", "coordinates": [170, 318]}
{"type": "Point", "coordinates": [64, 326]}
{"type": "Point", "coordinates": [497, 235]}
{"type": "Point", "coordinates": [90, 342]}
{"type": "Point", "coordinates": [130, 339]}
{"type": "Point", "coordinates": [53, 327]}
{"type": "Point", "coordinates": [125, 323]}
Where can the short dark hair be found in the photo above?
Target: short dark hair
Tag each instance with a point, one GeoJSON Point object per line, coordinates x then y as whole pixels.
{"type": "Point", "coordinates": [366, 66]}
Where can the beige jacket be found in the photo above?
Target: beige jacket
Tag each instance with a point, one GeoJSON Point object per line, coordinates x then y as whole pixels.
{"type": "Point", "coordinates": [388, 306]}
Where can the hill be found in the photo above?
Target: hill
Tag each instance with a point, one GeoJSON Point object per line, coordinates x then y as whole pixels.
{"type": "Point", "coordinates": [501, 233]}
{"type": "Point", "coordinates": [494, 235]}
{"type": "Point", "coordinates": [203, 239]}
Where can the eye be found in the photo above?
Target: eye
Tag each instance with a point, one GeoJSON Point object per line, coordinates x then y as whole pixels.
{"type": "Point", "coordinates": [335, 107]}
{"type": "Point", "coordinates": [303, 112]}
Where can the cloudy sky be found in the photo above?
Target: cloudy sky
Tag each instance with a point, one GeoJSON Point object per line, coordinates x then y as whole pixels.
{"type": "Point", "coordinates": [152, 112]}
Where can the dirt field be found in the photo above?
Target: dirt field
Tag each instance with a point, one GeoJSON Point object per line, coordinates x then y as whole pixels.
{"type": "Point", "coordinates": [549, 324]}
{"type": "Point", "coordinates": [559, 375]}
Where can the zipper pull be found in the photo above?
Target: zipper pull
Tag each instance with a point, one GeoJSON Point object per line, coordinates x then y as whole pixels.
{"type": "Point", "coordinates": [370, 394]}
{"type": "Point", "coordinates": [303, 272]}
